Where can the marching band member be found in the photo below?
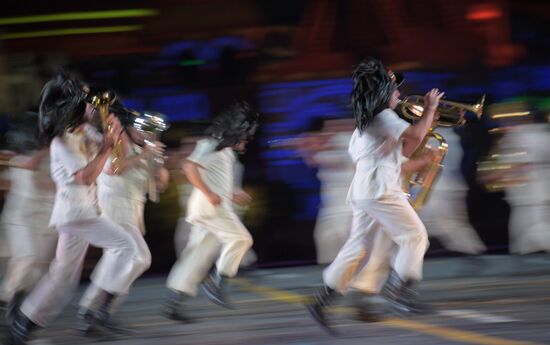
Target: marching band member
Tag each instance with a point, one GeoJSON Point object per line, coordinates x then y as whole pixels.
{"type": "Point", "coordinates": [75, 165]}
{"type": "Point", "coordinates": [380, 209]}
{"type": "Point", "coordinates": [26, 212]}
{"type": "Point", "coordinates": [122, 197]}
{"type": "Point", "coordinates": [217, 231]}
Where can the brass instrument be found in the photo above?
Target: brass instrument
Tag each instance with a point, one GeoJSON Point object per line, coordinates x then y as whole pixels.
{"type": "Point", "coordinates": [418, 185]}
{"type": "Point", "coordinates": [101, 101]}
{"type": "Point", "coordinates": [493, 171]}
{"type": "Point", "coordinates": [151, 125]}
{"type": "Point", "coordinates": [450, 112]}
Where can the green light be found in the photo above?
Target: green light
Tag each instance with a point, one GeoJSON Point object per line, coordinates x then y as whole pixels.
{"type": "Point", "coordinates": [57, 17]}
{"type": "Point", "coordinates": [72, 31]}
{"type": "Point", "coordinates": [194, 62]}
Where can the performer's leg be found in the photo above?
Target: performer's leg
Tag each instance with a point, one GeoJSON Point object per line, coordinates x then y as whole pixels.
{"type": "Point", "coordinates": [235, 242]}
{"type": "Point", "coordinates": [192, 266]}
{"type": "Point", "coordinates": [400, 221]}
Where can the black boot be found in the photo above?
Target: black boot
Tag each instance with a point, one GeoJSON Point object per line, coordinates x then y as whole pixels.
{"type": "Point", "coordinates": [401, 295]}
{"type": "Point", "coordinates": [173, 306]}
{"type": "Point", "coordinates": [85, 320]}
{"type": "Point", "coordinates": [364, 310]}
{"type": "Point", "coordinates": [213, 287]}
{"type": "Point", "coordinates": [13, 306]}
{"type": "Point", "coordinates": [103, 316]}
{"type": "Point", "coordinates": [3, 308]}
{"type": "Point", "coordinates": [317, 304]}
{"type": "Point", "coordinates": [21, 329]}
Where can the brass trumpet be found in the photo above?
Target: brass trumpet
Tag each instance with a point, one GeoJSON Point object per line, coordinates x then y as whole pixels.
{"type": "Point", "coordinates": [101, 101]}
{"type": "Point", "coordinates": [451, 114]}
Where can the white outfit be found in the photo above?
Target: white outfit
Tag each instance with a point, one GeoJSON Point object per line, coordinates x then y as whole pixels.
{"type": "Point", "coordinates": [380, 209]}
{"type": "Point", "coordinates": [216, 225]}
{"type": "Point", "coordinates": [184, 233]}
{"type": "Point", "coordinates": [25, 218]}
{"type": "Point", "coordinates": [445, 215]}
{"type": "Point", "coordinates": [334, 218]}
{"type": "Point", "coordinates": [122, 200]}
{"type": "Point", "coordinates": [529, 201]}
{"type": "Point", "coordinates": [78, 222]}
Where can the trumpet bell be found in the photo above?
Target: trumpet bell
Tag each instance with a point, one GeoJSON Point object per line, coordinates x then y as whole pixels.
{"type": "Point", "coordinates": [451, 114]}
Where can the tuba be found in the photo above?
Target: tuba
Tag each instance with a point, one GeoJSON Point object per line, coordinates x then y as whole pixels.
{"type": "Point", "coordinates": [101, 101]}
{"type": "Point", "coordinates": [151, 125]}
{"type": "Point", "coordinates": [418, 185]}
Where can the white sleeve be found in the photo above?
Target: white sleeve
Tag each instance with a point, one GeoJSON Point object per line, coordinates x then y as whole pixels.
{"type": "Point", "coordinates": [70, 160]}
{"type": "Point", "coordinates": [391, 125]}
{"type": "Point", "coordinates": [202, 150]}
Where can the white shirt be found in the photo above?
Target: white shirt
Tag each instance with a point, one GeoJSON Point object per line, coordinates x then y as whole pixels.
{"type": "Point", "coordinates": [377, 154]}
{"type": "Point", "coordinates": [131, 184]}
{"type": "Point", "coordinates": [217, 172]}
{"type": "Point", "coordinates": [73, 201]}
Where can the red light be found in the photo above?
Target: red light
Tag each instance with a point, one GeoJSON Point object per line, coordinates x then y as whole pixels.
{"type": "Point", "coordinates": [483, 12]}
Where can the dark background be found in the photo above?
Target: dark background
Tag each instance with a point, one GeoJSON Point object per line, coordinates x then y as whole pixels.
{"type": "Point", "coordinates": [291, 59]}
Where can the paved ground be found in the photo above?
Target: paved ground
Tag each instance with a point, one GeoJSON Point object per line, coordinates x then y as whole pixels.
{"type": "Point", "coordinates": [495, 300]}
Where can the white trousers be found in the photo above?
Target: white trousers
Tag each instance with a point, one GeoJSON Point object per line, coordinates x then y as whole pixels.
{"type": "Point", "coordinates": [55, 289]}
{"type": "Point", "coordinates": [224, 237]}
{"type": "Point", "coordinates": [373, 274]}
{"type": "Point", "coordinates": [388, 218]}
{"type": "Point", "coordinates": [141, 262]}
{"type": "Point", "coordinates": [32, 251]}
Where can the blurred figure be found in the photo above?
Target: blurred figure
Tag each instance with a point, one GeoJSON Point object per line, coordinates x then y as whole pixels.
{"type": "Point", "coordinates": [380, 209]}
{"type": "Point", "coordinates": [5, 157]}
{"type": "Point", "coordinates": [327, 151]}
{"type": "Point", "coordinates": [525, 148]}
{"type": "Point", "coordinates": [25, 216]}
{"type": "Point", "coordinates": [76, 162]}
{"type": "Point", "coordinates": [185, 188]}
{"type": "Point", "coordinates": [122, 197]}
{"type": "Point", "coordinates": [217, 230]}
{"type": "Point", "coordinates": [444, 214]}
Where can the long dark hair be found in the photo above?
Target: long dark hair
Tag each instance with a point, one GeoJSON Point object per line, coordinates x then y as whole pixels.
{"type": "Point", "coordinates": [62, 106]}
{"type": "Point", "coordinates": [234, 124]}
{"type": "Point", "coordinates": [371, 93]}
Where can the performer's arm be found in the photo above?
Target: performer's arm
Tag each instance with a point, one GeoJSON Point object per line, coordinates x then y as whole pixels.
{"type": "Point", "coordinates": [413, 136]}
{"type": "Point", "coordinates": [191, 170]}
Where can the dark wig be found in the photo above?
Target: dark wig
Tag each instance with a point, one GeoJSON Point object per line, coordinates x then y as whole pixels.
{"type": "Point", "coordinates": [62, 106]}
{"type": "Point", "coordinates": [371, 93]}
{"type": "Point", "coordinates": [233, 125]}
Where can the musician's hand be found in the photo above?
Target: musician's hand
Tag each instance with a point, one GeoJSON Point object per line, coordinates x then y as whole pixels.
{"type": "Point", "coordinates": [431, 99]}
{"type": "Point", "coordinates": [241, 198]}
{"type": "Point", "coordinates": [156, 149]}
{"type": "Point", "coordinates": [214, 198]}
{"type": "Point", "coordinates": [112, 135]}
